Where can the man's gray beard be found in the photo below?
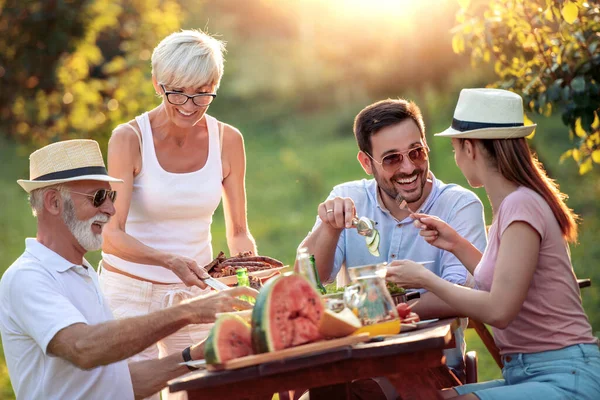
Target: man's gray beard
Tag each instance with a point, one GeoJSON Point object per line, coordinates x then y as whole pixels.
{"type": "Point", "coordinates": [82, 230]}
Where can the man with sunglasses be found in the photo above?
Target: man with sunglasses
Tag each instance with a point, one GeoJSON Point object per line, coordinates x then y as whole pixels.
{"type": "Point", "coordinates": [59, 336]}
{"type": "Point", "coordinates": [393, 149]}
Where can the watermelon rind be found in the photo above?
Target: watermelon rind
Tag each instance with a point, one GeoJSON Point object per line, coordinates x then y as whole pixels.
{"type": "Point", "coordinates": [211, 351]}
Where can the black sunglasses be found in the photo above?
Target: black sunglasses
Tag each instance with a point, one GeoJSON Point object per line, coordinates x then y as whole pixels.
{"type": "Point", "coordinates": [100, 196]}
{"type": "Point", "coordinates": [392, 162]}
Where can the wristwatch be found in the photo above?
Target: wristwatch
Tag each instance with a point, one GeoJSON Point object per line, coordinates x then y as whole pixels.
{"type": "Point", "coordinates": [188, 357]}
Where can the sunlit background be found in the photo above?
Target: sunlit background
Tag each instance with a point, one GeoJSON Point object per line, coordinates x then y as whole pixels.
{"type": "Point", "coordinates": [296, 74]}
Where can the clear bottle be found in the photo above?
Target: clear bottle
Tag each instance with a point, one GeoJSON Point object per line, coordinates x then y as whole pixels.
{"type": "Point", "coordinates": [305, 266]}
{"type": "Point", "coordinates": [243, 280]}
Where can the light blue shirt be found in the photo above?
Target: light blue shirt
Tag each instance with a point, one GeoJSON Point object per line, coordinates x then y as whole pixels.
{"type": "Point", "coordinates": [399, 240]}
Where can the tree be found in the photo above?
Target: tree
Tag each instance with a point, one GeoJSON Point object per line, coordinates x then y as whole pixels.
{"type": "Point", "coordinates": [549, 52]}
{"type": "Point", "coordinates": [76, 68]}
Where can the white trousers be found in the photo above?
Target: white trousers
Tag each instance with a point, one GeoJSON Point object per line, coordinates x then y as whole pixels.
{"type": "Point", "coordinates": [128, 297]}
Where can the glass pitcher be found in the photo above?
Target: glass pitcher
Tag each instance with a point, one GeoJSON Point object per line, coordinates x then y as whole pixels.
{"type": "Point", "coordinates": [371, 301]}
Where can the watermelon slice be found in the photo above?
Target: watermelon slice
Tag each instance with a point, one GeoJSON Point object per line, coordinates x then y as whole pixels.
{"type": "Point", "coordinates": [287, 313]}
{"type": "Point", "coordinates": [229, 338]}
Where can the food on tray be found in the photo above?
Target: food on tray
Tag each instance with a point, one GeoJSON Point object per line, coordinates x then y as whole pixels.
{"type": "Point", "coordinates": [372, 240]}
{"type": "Point", "coordinates": [407, 316]}
{"type": "Point", "coordinates": [229, 338]}
{"type": "Point", "coordinates": [287, 313]}
{"type": "Point", "coordinates": [394, 289]}
{"type": "Point", "coordinates": [340, 324]}
{"type": "Point", "coordinates": [223, 266]}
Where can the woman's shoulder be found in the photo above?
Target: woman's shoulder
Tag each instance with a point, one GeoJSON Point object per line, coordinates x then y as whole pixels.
{"type": "Point", "coordinates": [126, 140]}
{"type": "Point", "coordinates": [229, 131]}
{"type": "Point", "coordinates": [524, 196]}
{"type": "Point", "coordinates": [527, 205]}
{"type": "Point", "coordinates": [231, 136]}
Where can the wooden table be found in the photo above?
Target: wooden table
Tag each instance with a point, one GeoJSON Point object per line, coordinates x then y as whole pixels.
{"type": "Point", "coordinates": [412, 361]}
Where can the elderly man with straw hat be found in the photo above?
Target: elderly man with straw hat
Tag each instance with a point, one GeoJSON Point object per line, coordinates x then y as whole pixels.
{"type": "Point", "coordinates": [59, 336]}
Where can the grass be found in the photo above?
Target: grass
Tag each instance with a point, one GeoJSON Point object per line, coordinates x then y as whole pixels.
{"type": "Point", "coordinates": [292, 165]}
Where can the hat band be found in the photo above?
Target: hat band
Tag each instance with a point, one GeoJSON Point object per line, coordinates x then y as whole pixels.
{"type": "Point", "coordinates": [463, 126]}
{"type": "Point", "coordinates": [71, 173]}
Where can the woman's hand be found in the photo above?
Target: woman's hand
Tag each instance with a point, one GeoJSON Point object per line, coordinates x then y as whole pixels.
{"type": "Point", "coordinates": [406, 273]}
{"type": "Point", "coordinates": [436, 232]}
{"type": "Point", "coordinates": [187, 270]}
{"type": "Point", "coordinates": [205, 308]}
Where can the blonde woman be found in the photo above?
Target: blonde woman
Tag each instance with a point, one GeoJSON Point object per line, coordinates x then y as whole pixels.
{"type": "Point", "coordinates": [526, 287]}
{"type": "Point", "coordinates": [176, 162]}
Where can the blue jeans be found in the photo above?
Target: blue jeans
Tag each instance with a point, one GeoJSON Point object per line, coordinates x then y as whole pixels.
{"type": "Point", "coordinates": [569, 373]}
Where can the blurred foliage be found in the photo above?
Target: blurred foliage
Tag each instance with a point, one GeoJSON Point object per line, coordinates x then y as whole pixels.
{"type": "Point", "coordinates": [549, 51]}
{"type": "Point", "coordinates": [76, 68]}
{"type": "Point", "coordinates": [296, 74]}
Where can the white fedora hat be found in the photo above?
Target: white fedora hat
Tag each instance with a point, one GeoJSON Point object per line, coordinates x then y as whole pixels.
{"type": "Point", "coordinates": [67, 161]}
{"type": "Point", "coordinates": [488, 114]}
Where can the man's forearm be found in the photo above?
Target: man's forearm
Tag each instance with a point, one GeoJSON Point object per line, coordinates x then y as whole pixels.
{"type": "Point", "coordinates": [431, 306]}
{"type": "Point", "coordinates": [149, 377]}
{"type": "Point", "coordinates": [322, 243]}
{"type": "Point", "coordinates": [120, 339]}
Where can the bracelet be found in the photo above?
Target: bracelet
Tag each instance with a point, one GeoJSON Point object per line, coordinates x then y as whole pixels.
{"type": "Point", "coordinates": [188, 357]}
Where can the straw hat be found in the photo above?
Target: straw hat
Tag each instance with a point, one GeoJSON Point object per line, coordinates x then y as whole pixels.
{"type": "Point", "coordinates": [488, 114]}
{"type": "Point", "coordinates": [67, 161]}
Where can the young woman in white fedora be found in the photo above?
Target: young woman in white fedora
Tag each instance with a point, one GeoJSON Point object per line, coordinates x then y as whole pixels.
{"type": "Point", "coordinates": [525, 285]}
{"type": "Point", "coordinates": [176, 162]}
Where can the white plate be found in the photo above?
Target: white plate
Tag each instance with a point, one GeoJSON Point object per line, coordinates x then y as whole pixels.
{"type": "Point", "coordinates": [416, 325]}
{"type": "Point", "coordinates": [195, 363]}
{"type": "Point", "coordinates": [232, 279]}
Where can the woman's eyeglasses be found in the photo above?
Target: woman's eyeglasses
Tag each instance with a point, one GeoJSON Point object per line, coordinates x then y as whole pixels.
{"type": "Point", "coordinates": [392, 162]}
{"type": "Point", "coordinates": [100, 196]}
{"type": "Point", "coordinates": [179, 99]}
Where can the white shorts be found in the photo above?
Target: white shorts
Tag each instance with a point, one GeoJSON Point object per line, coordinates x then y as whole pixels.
{"type": "Point", "coordinates": [128, 297]}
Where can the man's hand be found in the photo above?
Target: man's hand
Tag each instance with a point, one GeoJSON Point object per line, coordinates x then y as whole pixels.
{"type": "Point", "coordinates": [187, 270]}
{"type": "Point", "coordinates": [205, 308]}
{"type": "Point", "coordinates": [337, 213]}
{"type": "Point", "coordinates": [197, 350]}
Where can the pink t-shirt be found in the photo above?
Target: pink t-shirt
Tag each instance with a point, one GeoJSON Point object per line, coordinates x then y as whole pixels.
{"type": "Point", "coordinates": [552, 316]}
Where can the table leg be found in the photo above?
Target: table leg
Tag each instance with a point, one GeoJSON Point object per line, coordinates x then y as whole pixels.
{"type": "Point", "coordinates": [332, 392]}
{"type": "Point", "coordinates": [414, 386]}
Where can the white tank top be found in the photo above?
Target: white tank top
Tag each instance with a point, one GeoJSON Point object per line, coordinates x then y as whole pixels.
{"type": "Point", "coordinates": [172, 212]}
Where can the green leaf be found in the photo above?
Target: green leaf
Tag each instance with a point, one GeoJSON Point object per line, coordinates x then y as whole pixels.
{"type": "Point", "coordinates": [464, 4]}
{"type": "Point", "coordinates": [567, 154]}
{"type": "Point", "coordinates": [554, 90]}
{"type": "Point", "coordinates": [569, 12]}
{"type": "Point", "coordinates": [579, 131]}
{"type": "Point", "coordinates": [527, 121]}
{"type": "Point", "coordinates": [458, 43]}
{"type": "Point", "coordinates": [586, 166]}
{"type": "Point", "coordinates": [578, 84]}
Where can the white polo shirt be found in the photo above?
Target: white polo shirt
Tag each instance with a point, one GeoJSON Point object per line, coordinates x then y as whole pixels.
{"type": "Point", "coordinates": [40, 294]}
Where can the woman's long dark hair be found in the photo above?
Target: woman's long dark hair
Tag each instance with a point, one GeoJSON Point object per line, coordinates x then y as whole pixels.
{"type": "Point", "coordinates": [516, 162]}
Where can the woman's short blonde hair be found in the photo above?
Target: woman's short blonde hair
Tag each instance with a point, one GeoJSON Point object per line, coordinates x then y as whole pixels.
{"type": "Point", "coordinates": [188, 59]}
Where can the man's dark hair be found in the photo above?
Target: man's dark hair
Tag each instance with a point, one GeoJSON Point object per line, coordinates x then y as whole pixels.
{"type": "Point", "coordinates": [382, 114]}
